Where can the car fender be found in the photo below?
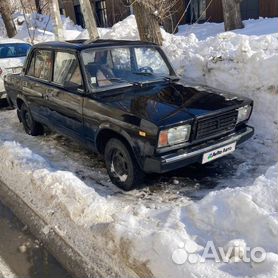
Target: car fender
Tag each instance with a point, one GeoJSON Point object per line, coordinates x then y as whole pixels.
{"type": "Point", "coordinates": [21, 97]}
{"type": "Point", "coordinates": [118, 130]}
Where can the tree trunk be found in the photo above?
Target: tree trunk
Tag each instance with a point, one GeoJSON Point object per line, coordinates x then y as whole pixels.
{"type": "Point", "coordinates": [57, 22]}
{"type": "Point", "coordinates": [148, 24]}
{"type": "Point", "coordinates": [5, 11]}
{"type": "Point", "coordinates": [231, 13]}
{"type": "Point", "coordinates": [38, 6]}
{"type": "Point", "coordinates": [89, 18]}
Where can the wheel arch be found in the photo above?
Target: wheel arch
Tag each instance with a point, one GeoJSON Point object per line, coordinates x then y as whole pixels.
{"type": "Point", "coordinates": [19, 101]}
{"type": "Point", "coordinates": [106, 132]}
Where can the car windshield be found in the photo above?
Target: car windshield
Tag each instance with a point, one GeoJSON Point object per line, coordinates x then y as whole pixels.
{"type": "Point", "coordinates": [14, 50]}
{"type": "Point", "coordinates": [110, 67]}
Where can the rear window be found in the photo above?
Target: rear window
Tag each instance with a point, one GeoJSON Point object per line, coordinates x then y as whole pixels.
{"type": "Point", "coordinates": [14, 50]}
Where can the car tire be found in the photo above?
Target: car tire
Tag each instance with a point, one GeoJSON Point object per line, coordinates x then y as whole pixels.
{"type": "Point", "coordinates": [18, 115]}
{"type": "Point", "coordinates": [31, 127]}
{"type": "Point", "coordinates": [10, 103]}
{"type": "Point", "coordinates": [121, 165]}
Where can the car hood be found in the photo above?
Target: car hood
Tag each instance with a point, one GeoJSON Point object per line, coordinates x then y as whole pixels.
{"type": "Point", "coordinates": [168, 104]}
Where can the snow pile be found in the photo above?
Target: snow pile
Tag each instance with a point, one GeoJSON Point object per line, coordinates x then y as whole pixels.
{"type": "Point", "coordinates": [58, 188]}
{"type": "Point", "coordinates": [160, 238]}
{"type": "Point", "coordinates": [258, 27]}
{"type": "Point", "coordinates": [227, 61]}
{"type": "Point", "coordinates": [39, 28]}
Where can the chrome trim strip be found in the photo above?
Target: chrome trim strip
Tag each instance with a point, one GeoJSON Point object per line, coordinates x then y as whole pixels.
{"type": "Point", "coordinates": [31, 91]}
{"type": "Point", "coordinates": [215, 146]}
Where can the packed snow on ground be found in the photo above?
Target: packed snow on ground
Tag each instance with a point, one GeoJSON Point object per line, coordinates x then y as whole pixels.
{"type": "Point", "coordinates": [148, 232]}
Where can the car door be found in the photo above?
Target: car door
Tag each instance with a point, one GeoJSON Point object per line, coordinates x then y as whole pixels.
{"type": "Point", "coordinates": [35, 83]}
{"type": "Point", "coordinates": [65, 94]}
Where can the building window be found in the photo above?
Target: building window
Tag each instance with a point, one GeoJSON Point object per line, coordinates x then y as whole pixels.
{"type": "Point", "coordinates": [79, 16]}
{"type": "Point", "coordinates": [101, 13]}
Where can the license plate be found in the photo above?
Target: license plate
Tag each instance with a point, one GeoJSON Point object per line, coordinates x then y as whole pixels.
{"type": "Point", "coordinates": [214, 154]}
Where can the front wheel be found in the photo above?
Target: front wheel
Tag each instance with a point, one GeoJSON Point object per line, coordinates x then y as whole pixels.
{"type": "Point", "coordinates": [31, 127]}
{"type": "Point", "coordinates": [122, 167]}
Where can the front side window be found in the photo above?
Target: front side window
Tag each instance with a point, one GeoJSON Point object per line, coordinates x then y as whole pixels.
{"type": "Point", "coordinates": [109, 67]}
{"type": "Point", "coordinates": [67, 70]}
{"type": "Point", "coordinates": [41, 65]}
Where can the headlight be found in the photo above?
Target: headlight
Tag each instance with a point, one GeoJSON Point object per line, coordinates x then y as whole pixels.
{"type": "Point", "coordinates": [243, 113]}
{"type": "Point", "coordinates": [174, 135]}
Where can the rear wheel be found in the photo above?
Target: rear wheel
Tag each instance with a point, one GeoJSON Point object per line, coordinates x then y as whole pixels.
{"type": "Point", "coordinates": [122, 167]}
{"type": "Point", "coordinates": [31, 127]}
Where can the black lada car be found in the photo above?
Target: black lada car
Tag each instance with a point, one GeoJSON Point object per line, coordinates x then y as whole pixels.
{"type": "Point", "coordinates": [124, 101]}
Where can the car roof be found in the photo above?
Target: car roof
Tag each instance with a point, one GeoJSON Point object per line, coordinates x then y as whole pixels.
{"type": "Point", "coordinates": [8, 41]}
{"type": "Point", "coordinates": [84, 44]}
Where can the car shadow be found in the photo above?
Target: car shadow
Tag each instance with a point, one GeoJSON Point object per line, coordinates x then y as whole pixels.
{"type": "Point", "coordinates": [196, 180]}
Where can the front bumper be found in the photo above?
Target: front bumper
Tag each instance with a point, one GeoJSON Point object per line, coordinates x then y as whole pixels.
{"type": "Point", "coordinates": [193, 154]}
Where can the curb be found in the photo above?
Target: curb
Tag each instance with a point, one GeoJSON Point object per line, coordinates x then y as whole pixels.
{"type": "Point", "coordinates": [72, 260]}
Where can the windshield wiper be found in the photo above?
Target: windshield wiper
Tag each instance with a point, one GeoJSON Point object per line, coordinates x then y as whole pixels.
{"type": "Point", "coordinates": [142, 73]}
{"type": "Point", "coordinates": [116, 79]}
{"type": "Point", "coordinates": [169, 79]}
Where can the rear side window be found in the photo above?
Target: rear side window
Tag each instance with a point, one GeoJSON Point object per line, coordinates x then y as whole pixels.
{"type": "Point", "coordinates": [41, 65]}
{"type": "Point", "coordinates": [67, 70]}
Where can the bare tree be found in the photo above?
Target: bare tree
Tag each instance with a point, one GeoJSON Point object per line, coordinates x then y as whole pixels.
{"type": "Point", "coordinates": [150, 14]}
{"type": "Point", "coordinates": [89, 18]}
{"type": "Point", "coordinates": [57, 22]}
{"type": "Point", "coordinates": [5, 11]}
{"type": "Point", "coordinates": [147, 21]}
{"type": "Point", "coordinates": [232, 15]}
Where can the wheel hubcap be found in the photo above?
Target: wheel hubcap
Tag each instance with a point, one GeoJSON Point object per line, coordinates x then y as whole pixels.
{"type": "Point", "coordinates": [119, 165]}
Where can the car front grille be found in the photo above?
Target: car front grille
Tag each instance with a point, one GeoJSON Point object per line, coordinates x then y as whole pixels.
{"type": "Point", "coordinates": [219, 124]}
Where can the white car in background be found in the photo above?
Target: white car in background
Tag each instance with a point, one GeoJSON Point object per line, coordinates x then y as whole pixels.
{"type": "Point", "coordinates": [12, 56]}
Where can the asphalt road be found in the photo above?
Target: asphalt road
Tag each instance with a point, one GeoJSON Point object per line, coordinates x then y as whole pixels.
{"type": "Point", "coordinates": [21, 255]}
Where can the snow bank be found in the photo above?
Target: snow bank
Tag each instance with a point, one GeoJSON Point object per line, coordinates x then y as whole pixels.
{"type": "Point", "coordinates": [26, 171]}
{"type": "Point", "coordinates": [248, 215]}
{"type": "Point", "coordinates": [40, 28]}
{"type": "Point", "coordinates": [258, 27]}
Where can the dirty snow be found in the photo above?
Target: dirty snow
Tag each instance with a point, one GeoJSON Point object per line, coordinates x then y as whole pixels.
{"type": "Point", "coordinates": [142, 230]}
